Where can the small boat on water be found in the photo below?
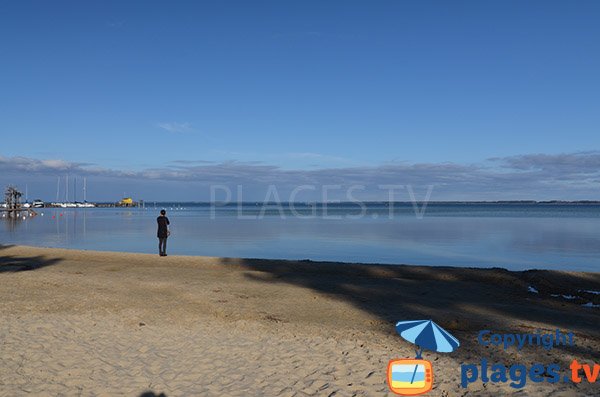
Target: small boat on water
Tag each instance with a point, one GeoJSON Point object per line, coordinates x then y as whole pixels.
{"type": "Point", "coordinates": [73, 205]}
{"type": "Point", "coordinates": [38, 204]}
{"type": "Point", "coordinates": [85, 205]}
{"type": "Point", "coordinates": [64, 205]}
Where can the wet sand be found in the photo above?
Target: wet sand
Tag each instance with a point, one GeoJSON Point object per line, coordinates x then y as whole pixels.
{"type": "Point", "coordinates": [96, 323]}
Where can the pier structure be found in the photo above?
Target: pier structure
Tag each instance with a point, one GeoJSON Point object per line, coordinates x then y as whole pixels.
{"type": "Point", "coordinates": [12, 207]}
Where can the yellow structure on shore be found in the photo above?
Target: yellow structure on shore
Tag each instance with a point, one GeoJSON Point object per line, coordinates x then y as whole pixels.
{"type": "Point", "coordinates": [126, 202]}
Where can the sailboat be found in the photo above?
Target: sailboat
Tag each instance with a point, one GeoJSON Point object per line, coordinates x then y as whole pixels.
{"type": "Point", "coordinates": [85, 204]}
{"type": "Point", "coordinates": [26, 204]}
{"type": "Point", "coordinates": [66, 203]}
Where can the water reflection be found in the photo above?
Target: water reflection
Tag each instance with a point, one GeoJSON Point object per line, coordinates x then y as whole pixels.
{"type": "Point", "coordinates": [11, 223]}
{"type": "Point", "coordinates": [13, 220]}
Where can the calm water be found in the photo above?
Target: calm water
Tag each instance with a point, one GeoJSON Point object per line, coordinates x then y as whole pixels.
{"type": "Point", "coordinates": [515, 236]}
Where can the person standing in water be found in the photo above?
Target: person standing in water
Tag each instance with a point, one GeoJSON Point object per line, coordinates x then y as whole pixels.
{"type": "Point", "coordinates": [163, 232]}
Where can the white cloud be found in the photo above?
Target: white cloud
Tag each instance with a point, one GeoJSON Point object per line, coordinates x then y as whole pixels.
{"type": "Point", "coordinates": [56, 164]}
{"type": "Point", "coordinates": [174, 127]}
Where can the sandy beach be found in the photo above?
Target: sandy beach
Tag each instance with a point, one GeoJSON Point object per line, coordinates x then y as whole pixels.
{"type": "Point", "coordinates": [105, 324]}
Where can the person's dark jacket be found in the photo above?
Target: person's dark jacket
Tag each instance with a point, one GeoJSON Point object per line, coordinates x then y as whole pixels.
{"type": "Point", "coordinates": [163, 222]}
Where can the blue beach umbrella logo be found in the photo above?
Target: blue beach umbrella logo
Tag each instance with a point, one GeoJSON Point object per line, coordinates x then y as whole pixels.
{"type": "Point", "coordinates": [426, 334]}
{"type": "Point", "coordinates": [410, 377]}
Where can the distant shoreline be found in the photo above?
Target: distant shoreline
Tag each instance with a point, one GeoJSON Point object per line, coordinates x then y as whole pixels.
{"type": "Point", "coordinates": [208, 203]}
{"type": "Point", "coordinates": [150, 203]}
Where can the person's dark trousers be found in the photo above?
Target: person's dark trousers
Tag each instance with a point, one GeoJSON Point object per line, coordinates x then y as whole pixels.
{"type": "Point", "coordinates": [162, 245]}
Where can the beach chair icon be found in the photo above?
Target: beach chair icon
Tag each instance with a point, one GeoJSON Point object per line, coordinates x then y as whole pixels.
{"type": "Point", "coordinates": [410, 377]}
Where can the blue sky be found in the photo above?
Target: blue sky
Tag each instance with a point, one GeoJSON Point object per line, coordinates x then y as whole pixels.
{"type": "Point", "coordinates": [161, 99]}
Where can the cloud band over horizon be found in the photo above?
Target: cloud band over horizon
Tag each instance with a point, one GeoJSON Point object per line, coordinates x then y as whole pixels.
{"type": "Point", "coordinates": [565, 176]}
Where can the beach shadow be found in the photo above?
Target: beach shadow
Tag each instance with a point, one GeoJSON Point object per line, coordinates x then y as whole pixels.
{"type": "Point", "coordinates": [152, 394]}
{"type": "Point", "coordinates": [462, 300]}
{"type": "Point", "coordinates": [13, 264]}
